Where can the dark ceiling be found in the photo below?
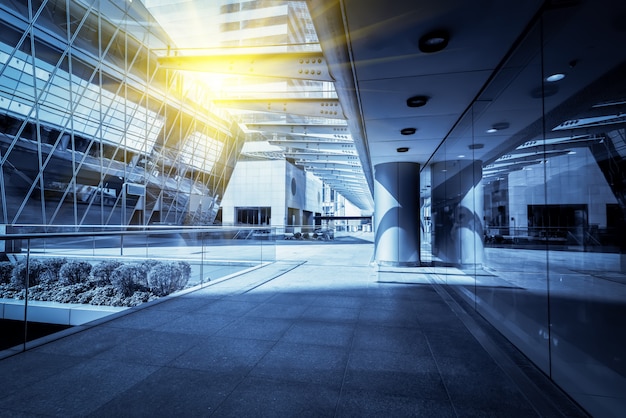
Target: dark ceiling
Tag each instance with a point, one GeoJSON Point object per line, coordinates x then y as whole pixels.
{"type": "Point", "coordinates": [490, 73]}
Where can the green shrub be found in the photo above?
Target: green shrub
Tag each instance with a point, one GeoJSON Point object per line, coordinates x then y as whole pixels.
{"type": "Point", "coordinates": [128, 278]}
{"type": "Point", "coordinates": [165, 278]}
{"type": "Point", "coordinates": [6, 270]}
{"type": "Point", "coordinates": [102, 271]}
{"type": "Point", "coordinates": [148, 265]}
{"type": "Point", "coordinates": [18, 276]}
{"type": "Point", "coordinates": [74, 272]}
{"type": "Point", "coordinates": [105, 295]}
{"type": "Point", "coordinates": [70, 293]}
{"type": "Point", "coordinates": [185, 269]}
{"type": "Point", "coordinates": [52, 269]}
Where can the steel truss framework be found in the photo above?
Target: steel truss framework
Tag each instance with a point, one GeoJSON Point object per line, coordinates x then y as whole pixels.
{"type": "Point", "coordinates": [93, 131]}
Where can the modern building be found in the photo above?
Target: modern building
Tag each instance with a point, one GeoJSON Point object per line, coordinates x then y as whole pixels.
{"type": "Point", "coordinates": [272, 192]}
{"type": "Point", "coordinates": [487, 138]}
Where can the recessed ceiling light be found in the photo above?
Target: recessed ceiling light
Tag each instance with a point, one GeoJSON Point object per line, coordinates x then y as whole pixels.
{"type": "Point", "coordinates": [475, 146]}
{"type": "Point", "coordinates": [434, 41]}
{"type": "Point", "coordinates": [498, 127]}
{"type": "Point", "coordinates": [402, 149]}
{"type": "Point", "coordinates": [417, 101]}
{"type": "Point", "coordinates": [408, 131]}
{"type": "Point", "coordinates": [460, 156]}
{"type": "Point", "coordinates": [555, 77]}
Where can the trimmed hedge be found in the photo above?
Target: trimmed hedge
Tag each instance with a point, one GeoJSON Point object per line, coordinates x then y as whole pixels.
{"type": "Point", "coordinates": [75, 272]}
{"type": "Point", "coordinates": [102, 271]}
{"type": "Point", "coordinates": [6, 271]}
{"type": "Point", "coordinates": [109, 282]}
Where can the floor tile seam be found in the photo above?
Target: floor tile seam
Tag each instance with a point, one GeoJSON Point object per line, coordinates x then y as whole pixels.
{"type": "Point", "coordinates": [248, 374]}
{"type": "Point", "coordinates": [48, 347]}
{"type": "Point", "coordinates": [346, 368]}
{"type": "Point", "coordinates": [16, 412]}
{"type": "Point", "coordinates": [110, 397]}
{"type": "Point", "coordinates": [530, 390]}
{"type": "Point", "coordinates": [416, 372]}
{"type": "Point", "coordinates": [259, 273]}
{"type": "Point", "coordinates": [172, 361]}
{"type": "Point", "coordinates": [366, 323]}
{"type": "Point", "coordinates": [443, 382]}
{"type": "Point", "coordinates": [383, 324]}
{"type": "Point", "coordinates": [274, 275]}
{"type": "Point", "coordinates": [313, 345]}
{"type": "Point", "coordinates": [113, 397]}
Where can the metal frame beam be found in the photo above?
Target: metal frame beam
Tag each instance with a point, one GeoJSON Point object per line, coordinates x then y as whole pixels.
{"type": "Point", "coordinates": [286, 65]}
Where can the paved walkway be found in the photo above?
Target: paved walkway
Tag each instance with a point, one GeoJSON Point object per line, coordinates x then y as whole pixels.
{"type": "Point", "coordinates": [319, 334]}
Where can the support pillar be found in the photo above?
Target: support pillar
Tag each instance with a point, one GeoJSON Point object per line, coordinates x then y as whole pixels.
{"type": "Point", "coordinates": [458, 209]}
{"type": "Point", "coordinates": [397, 214]}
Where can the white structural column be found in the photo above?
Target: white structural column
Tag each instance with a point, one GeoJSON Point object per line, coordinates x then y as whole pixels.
{"type": "Point", "coordinates": [458, 208]}
{"type": "Point", "coordinates": [397, 214]}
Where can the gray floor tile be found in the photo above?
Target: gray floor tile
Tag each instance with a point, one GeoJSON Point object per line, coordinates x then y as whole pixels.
{"type": "Point", "coordinates": [31, 367]}
{"type": "Point", "coordinates": [144, 319]}
{"type": "Point", "coordinates": [331, 314]}
{"type": "Point", "coordinates": [395, 340]}
{"type": "Point", "coordinates": [375, 361]}
{"type": "Point", "coordinates": [196, 324]}
{"type": "Point", "coordinates": [392, 317]}
{"type": "Point", "coordinates": [369, 403]}
{"type": "Point", "coordinates": [277, 310]}
{"type": "Point", "coordinates": [267, 398]}
{"type": "Point", "coordinates": [186, 303]}
{"type": "Point", "coordinates": [91, 342]}
{"type": "Point", "coordinates": [170, 392]}
{"type": "Point", "coordinates": [224, 356]}
{"type": "Point", "coordinates": [292, 298]}
{"type": "Point", "coordinates": [78, 390]}
{"type": "Point", "coordinates": [227, 307]}
{"type": "Point", "coordinates": [303, 363]}
{"type": "Point", "coordinates": [340, 301]}
{"type": "Point", "coordinates": [256, 328]}
{"type": "Point", "coordinates": [319, 333]}
{"type": "Point", "coordinates": [156, 348]}
{"type": "Point", "coordinates": [319, 340]}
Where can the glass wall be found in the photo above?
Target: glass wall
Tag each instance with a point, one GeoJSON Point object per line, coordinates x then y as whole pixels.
{"type": "Point", "coordinates": [93, 131]}
{"type": "Point", "coordinates": [528, 201]}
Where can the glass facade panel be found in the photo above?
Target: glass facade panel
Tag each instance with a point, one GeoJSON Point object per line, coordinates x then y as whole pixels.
{"type": "Point", "coordinates": [587, 272]}
{"type": "Point", "coordinates": [542, 178]}
{"type": "Point", "coordinates": [94, 132]}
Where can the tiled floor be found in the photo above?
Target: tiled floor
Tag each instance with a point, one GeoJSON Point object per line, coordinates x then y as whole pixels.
{"type": "Point", "coordinates": [294, 339]}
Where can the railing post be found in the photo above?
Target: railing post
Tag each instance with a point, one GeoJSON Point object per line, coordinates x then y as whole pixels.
{"type": "Point", "coordinates": [26, 294]}
{"type": "Point", "coordinates": [201, 259]}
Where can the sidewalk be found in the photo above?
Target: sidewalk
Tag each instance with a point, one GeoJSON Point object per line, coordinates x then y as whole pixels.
{"type": "Point", "coordinates": [316, 334]}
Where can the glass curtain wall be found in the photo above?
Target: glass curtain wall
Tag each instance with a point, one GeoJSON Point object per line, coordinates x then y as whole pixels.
{"type": "Point", "coordinates": [93, 132]}
{"type": "Point", "coordinates": [528, 202]}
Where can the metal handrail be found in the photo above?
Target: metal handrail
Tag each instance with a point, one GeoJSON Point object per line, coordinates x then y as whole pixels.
{"type": "Point", "coordinates": [134, 230]}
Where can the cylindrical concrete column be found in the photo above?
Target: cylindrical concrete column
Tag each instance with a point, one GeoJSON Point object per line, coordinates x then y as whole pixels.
{"type": "Point", "coordinates": [458, 208]}
{"type": "Point", "coordinates": [397, 214]}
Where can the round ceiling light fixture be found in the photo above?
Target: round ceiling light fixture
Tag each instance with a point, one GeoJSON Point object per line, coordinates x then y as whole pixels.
{"type": "Point", "coordinates": [408, 131]}
{"type": "Point", "coordinates": [402, 149]}
{"type": "Point", "coordinates": [476, 146]}
{"type": "Point", "coordinates": [417, 101]}
{"type": "Point", "coordinates": [434, 41]}
{"type": "Point", "coordinates": [555, 77]}
{"type": "Point", "coordinates": [497, 127]}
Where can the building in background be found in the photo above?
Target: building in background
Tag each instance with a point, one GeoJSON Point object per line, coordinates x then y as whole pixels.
{"type": "Point", "coordinates": [94, 132]}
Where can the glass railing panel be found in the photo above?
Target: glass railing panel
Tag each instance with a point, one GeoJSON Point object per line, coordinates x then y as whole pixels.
{"type": "Point", "coordinates": [79, 274]}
